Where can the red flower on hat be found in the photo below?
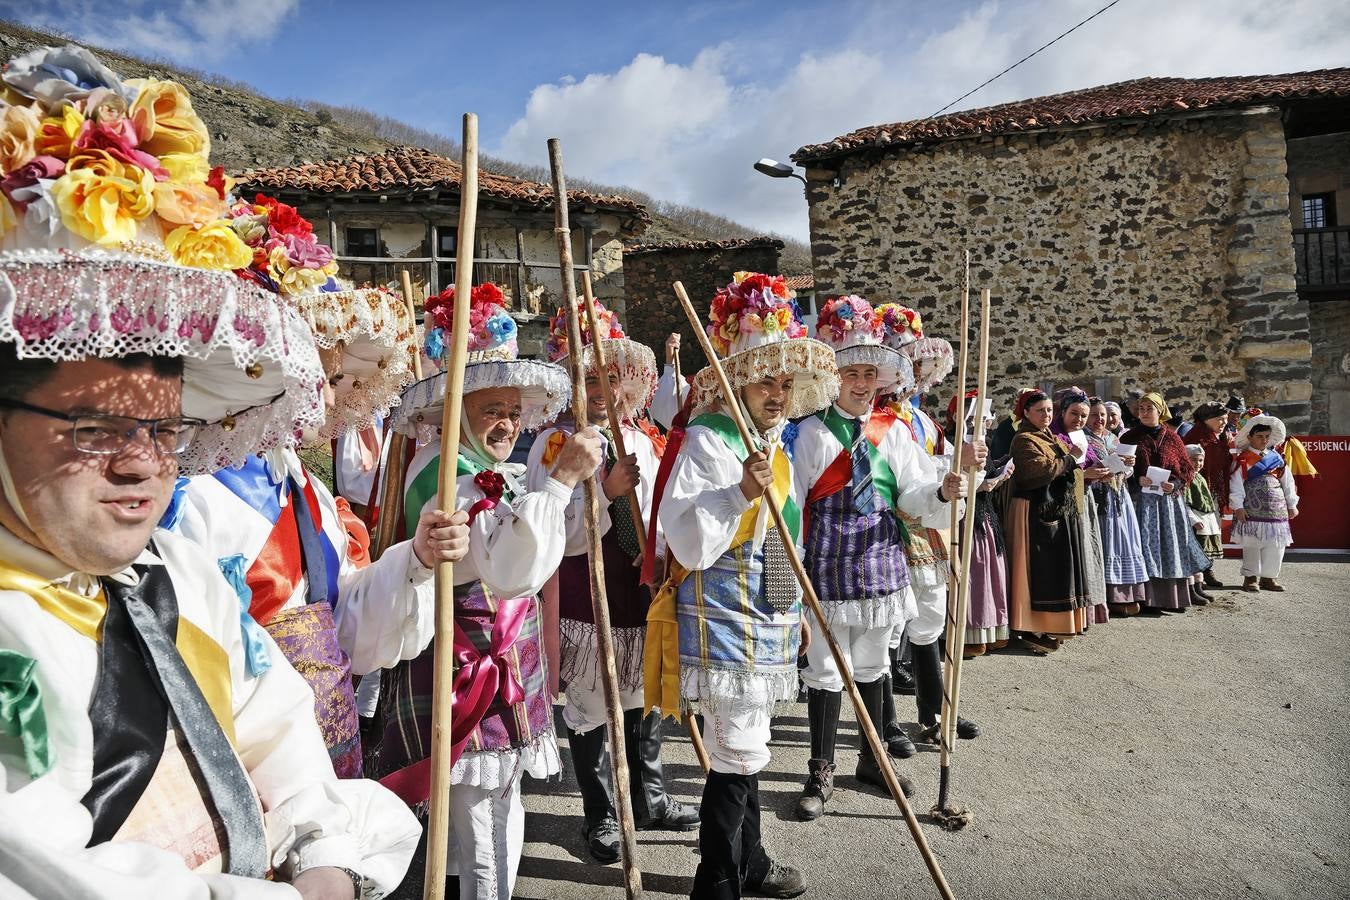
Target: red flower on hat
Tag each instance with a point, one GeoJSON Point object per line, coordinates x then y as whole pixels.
{"type": "Point", "coordinates": [283, 219]}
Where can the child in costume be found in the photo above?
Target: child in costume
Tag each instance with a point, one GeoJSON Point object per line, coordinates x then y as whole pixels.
{"type": "Point", "coordinates": [1205, 517]}
{"type": "Point", "coordinates": [731, 591]}
{"type": "Point", "coordinates": [855, 469]}
{"type": "Point", "coordinates": [145, 755]}
{"type": "Point", "coordinates": [632, 377]}
{"type": "Point", "coordinates": [503, 718]}
{"type": "Point", "coordinates": [1264, 500]}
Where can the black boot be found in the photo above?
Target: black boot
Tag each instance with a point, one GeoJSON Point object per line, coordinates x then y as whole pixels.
{"type": "Point", "coordinates": [591, 764]}
{"type": "Point", "coordinates": [1211, 580]}
{"type": "Point", "coordinates": [653, 808]}
{"type": "Point", "coordinates": [928, 680]}
{"type": "Point", "coordinates": [902, 677]}
{"type": "Point", "coordinates": [759, 874]}
{"type": "Point", "coordinates": [897, 740]}
{"type": "Point", "coordinates": [822, 711]}
{"type": "Point", "coordinates": [720, 872]}
{"type": "Point", "coordinates": [1198, 596]}
{"type": "Point", "coordinates": [869, 767]}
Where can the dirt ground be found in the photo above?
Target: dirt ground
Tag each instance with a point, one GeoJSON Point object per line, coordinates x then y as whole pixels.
{"type": "Point", "coordinates": [1197, 755]}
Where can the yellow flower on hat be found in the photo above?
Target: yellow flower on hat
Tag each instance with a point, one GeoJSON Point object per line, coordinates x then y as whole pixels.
{"type": "Point", "coordinates": [185, 168]}
{"type": "Point", "coordinates": [293, 279]}
{"type": "Point", "coordinates": [102, 199]}
{"type": "Point", "coordinates": [212, 246]}
{"type": "Point", "coordinates": [19, 129]}
{"type": "Point", "coordinates": [738, 277]}
{"type": "Point", "coordinates": [190, 203]}
{"type": "Point", "coordinates": [58, 133]}
{"type": "Point", "coordinates": [165, 119]}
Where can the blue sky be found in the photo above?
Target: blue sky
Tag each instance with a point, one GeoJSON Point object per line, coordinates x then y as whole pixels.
{"type": "Point", "coordinates": [678, 99]}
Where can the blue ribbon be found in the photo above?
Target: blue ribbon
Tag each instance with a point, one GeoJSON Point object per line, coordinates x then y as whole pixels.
{"type": "Point", "coordinates": [177, 506]}
{"type": "Point", "coordinates": [257, 657]}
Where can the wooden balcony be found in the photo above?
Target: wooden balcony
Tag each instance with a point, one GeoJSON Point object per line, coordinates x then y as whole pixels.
{"type": "Point", "coordinates": [1322, 256]}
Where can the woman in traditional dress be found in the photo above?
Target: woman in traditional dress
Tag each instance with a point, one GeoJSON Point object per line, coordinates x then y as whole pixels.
{"type": "Point", "coordinates": [1211, 434]}
{"type": "Point", "coordinates": [1048, 591]}
{"type": "Point", "coordinates": [1072, 415]}
{"type": "Point", "coordinates": [987, 612]}
{"type": "Point", "coordinates": [1122, 551]}
{"type": "Point", "coordinates": [1171, 552]}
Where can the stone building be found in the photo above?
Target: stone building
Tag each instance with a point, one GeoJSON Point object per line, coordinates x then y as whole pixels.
{"type": "Point", "coordinates": [400, 210]}
{"type": "Point", "coordinates": [1136, 234]}
{"type": "Point", "coordinates": [649, 270]}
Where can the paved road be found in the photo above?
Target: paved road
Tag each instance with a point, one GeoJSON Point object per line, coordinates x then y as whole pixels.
{"type": "Point", "coordinates": [1201, 755]}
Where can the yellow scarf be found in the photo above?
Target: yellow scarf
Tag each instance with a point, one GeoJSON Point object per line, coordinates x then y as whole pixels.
{"type": "Point", "coordinates": [205, 659]}
{"type": "Point", "coordinates": [661, 648]}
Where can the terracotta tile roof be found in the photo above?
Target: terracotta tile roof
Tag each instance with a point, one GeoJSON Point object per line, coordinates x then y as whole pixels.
{"type": "Point", "coordinates": [801, 282]}
{"type": "Point", "coordinates": [1140, 98]}
{"type": "Point", "coordinates": [418, 169]}
{"type": "Point", "coordinates": [731, 244]}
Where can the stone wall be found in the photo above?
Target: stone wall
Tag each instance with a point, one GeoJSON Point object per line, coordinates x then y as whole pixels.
{"type": "Point", "coordinates": [653, 312]}
{"type": "Point", "coordinates": [1331, 368]}
{"type": "Point", "coordinates": [1156, 255]}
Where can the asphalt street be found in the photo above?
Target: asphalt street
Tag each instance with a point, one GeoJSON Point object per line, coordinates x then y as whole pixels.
{"type": "Point", "coordinates": [1197, 755]}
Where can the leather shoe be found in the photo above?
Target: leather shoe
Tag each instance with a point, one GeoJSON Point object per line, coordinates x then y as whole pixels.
{"type": "Point", "coordinates": [868, 773]}
{"type": "Point", "coordinates": [603, 840]}
{"type": "Point", "coordinates": [678, 817]}
{"type": "Point", "coordinates": [1270, 584]}
{"type": "Point", "coordinates": [1251, 584]}
{"type": "Point", "coordinates": [898, 743]}
{"type": "Point", "coordinates": [819, 788]}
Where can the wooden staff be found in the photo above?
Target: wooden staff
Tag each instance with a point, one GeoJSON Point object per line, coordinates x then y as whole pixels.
{"type": "Point", "coordinates": [601, 372]}
{"type": "Point", "coordinates": [396, 463]}
{"type": "Point", "coordinates": [601, 369]}
{"type": "Point", "coordinates": [956, 566]}
{"type": "Point", "coordinates": [438, 823]}
{"type": "Point", "coordinates": [618, 758]}
{"type": "Point", "coordinates": [953, 692]}
{"type": "Point", "coordinates": [865, 724]}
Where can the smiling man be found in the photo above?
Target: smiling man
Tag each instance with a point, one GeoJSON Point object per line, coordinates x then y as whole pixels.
{"type": "Point", "coordinates": [737, 603]}
{"type": "Point", "coordinates": [139, 756]}
{"type": "Point", "coordinates": [856, 469]}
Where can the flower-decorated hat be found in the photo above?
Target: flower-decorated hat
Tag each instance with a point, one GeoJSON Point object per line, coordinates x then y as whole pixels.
{"type": "Point", "coordinates": [492, 362]}
{"type": "Point", "coordinates": [932, 357]}
{"type": "Point", "coordinates": [1255, 417]}
{"type": "Point", "coordinates": [634, 362]}
{"type": "Point", "coordinates": [367, 339]}
{"type": "Point", "coordinates": [851, 326]}
{"type": "Point", "coordinates": [115, 239]}
{"type": "Point", "coordinates": [754, 327]}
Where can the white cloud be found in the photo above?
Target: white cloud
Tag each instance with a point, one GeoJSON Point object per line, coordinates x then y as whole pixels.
{"type": "Point", "coordinates": [688, 133]}
{"type": "Point", "coordinates": [191, 32]}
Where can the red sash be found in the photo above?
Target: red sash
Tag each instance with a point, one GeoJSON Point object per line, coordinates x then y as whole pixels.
{"type": "Point", "coordinates": [840, 472]}
{"type": "Point", "coordinates": [671, 452]}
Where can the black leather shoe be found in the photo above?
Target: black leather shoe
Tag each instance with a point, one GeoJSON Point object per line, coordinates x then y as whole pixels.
{"type": "Point", "coordinates": [779, 881]}
{"type": "Point", "coordinates": [967, 730]}
{"type": "Point", "coordinates": [818, 789]}
{"type": "Point", "coordinates": [603, 840]}
{"type": "Point", "coordinates": [902, 680]}
{"type": "Point", "coordinates": [898, 743]}
{"type": "Point", "coordinates": [1210, 580]}
{"type": "Point", "coordinates": [868, 773]}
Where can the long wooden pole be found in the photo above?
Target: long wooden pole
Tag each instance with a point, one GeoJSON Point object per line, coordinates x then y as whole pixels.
{"type": "Point", "coordinates": [865, 724]}
{"type": "Point", "coordinates": [956, 566]}
{"type": "Point", "coordinates": [601, 372]}
{"type": "Point", "coordinates": [438, 824]}
{"type": "Point", "coordinates": [601, 369]}
{"type": "Point", "coordinates": [618, 758]}
{"type": "Point", "coordinates": [395, 465]}
{"type": "Point", "coordinates": [968, 538]}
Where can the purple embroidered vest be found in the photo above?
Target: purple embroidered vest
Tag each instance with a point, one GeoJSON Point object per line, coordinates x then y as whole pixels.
{"type": "Point", "coordinates": [851, 557]}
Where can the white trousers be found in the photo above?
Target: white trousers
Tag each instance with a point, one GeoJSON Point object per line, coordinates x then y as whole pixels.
{"type": "Point", "coordinates": [737, 742]}
{"type": "Point", "coordinates": [865, 649]}
{"type": "Point", "coordinates": [488, 835]}
{"type": "Point", "coordinates": [1261, 559]}
{"type": "Point", "coordinates": [927, 626]}
{"type": "Point", "coordinates": [585, 708]}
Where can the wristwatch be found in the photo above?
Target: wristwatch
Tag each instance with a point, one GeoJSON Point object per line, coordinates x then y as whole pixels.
{"type": "Point", "coordinates": [359, 882]}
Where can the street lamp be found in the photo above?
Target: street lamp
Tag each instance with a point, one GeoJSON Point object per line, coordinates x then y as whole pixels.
{"type": "Point", "coordinates": [775, 169]}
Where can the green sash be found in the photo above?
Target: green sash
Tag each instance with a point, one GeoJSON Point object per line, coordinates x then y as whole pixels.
{"type": "Point", "coordinates": [723, 426]}
{"type": "Point", "coordinates": [882, 476]}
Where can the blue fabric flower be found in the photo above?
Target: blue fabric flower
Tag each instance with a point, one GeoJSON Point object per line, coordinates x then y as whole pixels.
{"type": "Point", "coordinates": [330, 286]}
{"type": "Point", "coordinates": [434, 344]}
{"type": "Point", "coordinates": [790, 431]}
{"type": "Point", "coordinates": [257, 658]}
{"type": "Point", "coordinates": [844, 311]}
{"type": "Point", "coordinates": [177, 506]}
{"type": "Point", "coordinates": [502, 328]}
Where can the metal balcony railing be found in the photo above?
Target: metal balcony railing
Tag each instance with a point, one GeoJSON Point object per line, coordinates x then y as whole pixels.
{"type": "Point", "coordinates": [1322, 257]}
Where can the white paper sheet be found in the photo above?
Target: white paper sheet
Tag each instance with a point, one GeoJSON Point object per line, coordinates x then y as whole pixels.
{"type": "Point", "coordinates": [1158, 477]}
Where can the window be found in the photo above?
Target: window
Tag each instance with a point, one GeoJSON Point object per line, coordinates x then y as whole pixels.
{"type": "Point", "coordinates": [363, 242]}
{"type": "Point", "coordinates": [447, 239]}
{"type": "Point", "coordinates": [1319, 210]}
